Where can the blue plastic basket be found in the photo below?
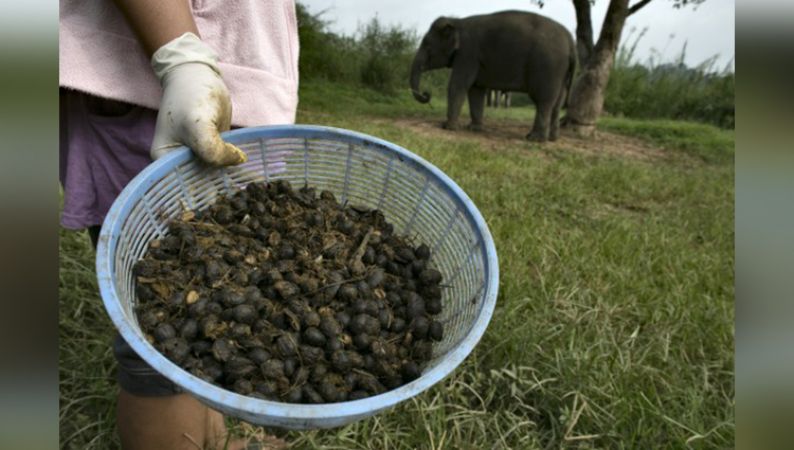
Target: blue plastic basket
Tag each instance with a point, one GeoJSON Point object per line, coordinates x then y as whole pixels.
{"type": "Point", "coordinates": [362, 170]}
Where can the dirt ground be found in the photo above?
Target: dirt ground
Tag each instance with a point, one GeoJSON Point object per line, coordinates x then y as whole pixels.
{"type": "Point", "coordinates": [499, 134]}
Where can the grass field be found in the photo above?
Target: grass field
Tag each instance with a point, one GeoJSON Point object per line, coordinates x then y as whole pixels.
{"type": "Point", "coordinates": [614, 324]}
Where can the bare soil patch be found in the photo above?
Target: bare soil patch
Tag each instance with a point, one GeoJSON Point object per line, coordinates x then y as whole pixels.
{"type": "Point", "coordinates": [498, 135]}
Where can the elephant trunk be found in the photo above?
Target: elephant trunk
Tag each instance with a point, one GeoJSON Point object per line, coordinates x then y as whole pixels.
{"type": "Point", "coordinates": [416, 73]}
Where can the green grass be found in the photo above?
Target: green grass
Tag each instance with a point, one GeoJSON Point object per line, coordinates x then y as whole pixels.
{"type": "Point", "coordinates": [86, 363]}
{"type": "Point", "coordinates": [348, 100]}
{"type": "Point", "coordinates": [334, 102]}
{"type": "Point", "coordinates": [614, 324]}
{"type": "Point", "coordinates": [709, 143]}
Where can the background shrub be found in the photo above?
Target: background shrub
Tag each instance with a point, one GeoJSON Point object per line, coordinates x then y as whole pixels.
{"type": "Point", "coordinates": [658, 89]}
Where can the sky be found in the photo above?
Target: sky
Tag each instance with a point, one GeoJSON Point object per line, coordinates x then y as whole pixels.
{"type": "Point", "coordinates": [707, 30]}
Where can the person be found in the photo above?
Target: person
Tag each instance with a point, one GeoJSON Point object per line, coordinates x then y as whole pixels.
{"type": "Point", "coordinates": [139, 78]}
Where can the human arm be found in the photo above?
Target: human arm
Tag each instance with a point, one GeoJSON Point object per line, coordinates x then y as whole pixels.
{"type": "Point", "coordinates": [195, 106]}
{"type": "Point", "coordinates": [157, 22]}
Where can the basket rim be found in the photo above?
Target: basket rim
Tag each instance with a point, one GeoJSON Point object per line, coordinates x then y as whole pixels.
{"type": "Point", "coordinates": [289, 412]}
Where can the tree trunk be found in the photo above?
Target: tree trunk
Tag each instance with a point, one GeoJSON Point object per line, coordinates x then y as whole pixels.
{"type": "Point", "coordinates": [584, 31]}
{"type": "Point", "coordinates": [587, 95]}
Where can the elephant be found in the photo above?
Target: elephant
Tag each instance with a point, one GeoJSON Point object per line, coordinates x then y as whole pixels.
{"type": "Point", "coordinates": [509, 51]}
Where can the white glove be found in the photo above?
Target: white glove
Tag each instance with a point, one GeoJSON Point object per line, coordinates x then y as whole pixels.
{"type": "Point", "coordinates": [195, 106]}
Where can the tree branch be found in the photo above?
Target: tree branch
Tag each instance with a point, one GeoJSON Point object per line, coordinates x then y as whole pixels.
{"type": "Point", "coordinates": [638, 6]}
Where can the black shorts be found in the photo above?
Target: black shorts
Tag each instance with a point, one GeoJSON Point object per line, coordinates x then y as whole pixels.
{"type": "Point", "coordinates": [134, 374]}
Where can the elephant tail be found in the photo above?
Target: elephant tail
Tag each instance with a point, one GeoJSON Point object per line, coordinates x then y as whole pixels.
{"type": "Point", "coordinates": [569, 76]}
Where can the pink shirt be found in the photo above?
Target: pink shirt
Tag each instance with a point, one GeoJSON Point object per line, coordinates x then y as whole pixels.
{"type": "Point", "coordinates": [256, 41]}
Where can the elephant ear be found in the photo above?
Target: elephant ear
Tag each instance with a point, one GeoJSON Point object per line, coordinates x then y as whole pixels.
{"type": "Point", "coordinates": [450, 33]}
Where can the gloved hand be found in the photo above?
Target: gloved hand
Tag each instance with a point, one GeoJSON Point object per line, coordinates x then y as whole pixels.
{"type": "Point", "coordinates": [195, 106]}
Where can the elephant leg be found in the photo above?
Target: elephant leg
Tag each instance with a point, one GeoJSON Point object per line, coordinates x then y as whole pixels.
{"type": "Point", "coordinates": [554, 120]}
{"type": "Point", "coordinates": [540, 129]}
{"type": "Point", "coordinates": [456, 94]}
{"type": "Point", "coordinates": [476, 107]}
{"type": "Point", "coordinates": [554, 125]}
